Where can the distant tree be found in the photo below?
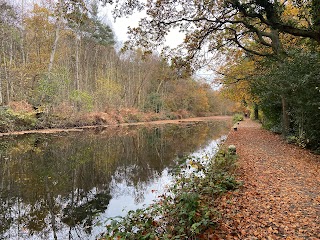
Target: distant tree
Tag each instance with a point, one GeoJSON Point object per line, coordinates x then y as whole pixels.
{"type": "Point", "coordinates": [8, 41]}
{"type": "Point", "coordinates": [98, 30]}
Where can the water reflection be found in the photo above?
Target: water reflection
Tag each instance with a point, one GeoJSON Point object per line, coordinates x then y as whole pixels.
{"type": "Point", "coordinates": [60, 186]}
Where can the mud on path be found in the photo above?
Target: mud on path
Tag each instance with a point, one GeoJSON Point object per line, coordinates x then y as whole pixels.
{"type": "Point", "coordinates": [79, 129]}
{"type": "Point", "coordinates": [280, 198]}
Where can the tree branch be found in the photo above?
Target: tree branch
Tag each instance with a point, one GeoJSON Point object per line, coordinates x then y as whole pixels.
{"type": "Point", "coordinates": [236, 40]}
{"type": "Point", "coordinates": [273, 20]}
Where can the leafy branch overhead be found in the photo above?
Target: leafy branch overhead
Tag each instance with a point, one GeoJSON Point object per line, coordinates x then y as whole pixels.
{"type": "Point", "coordinates": [253, 25]}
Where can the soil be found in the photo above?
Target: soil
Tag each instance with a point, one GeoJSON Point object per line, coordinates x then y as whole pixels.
{"type": "Point", "coordinates": [280, 196]}
{"type": "Point", "coordinates": [77, 129]}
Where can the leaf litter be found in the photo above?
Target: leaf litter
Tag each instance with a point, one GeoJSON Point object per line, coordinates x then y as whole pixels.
{"type": "Point", "coordinates": [280, 197]}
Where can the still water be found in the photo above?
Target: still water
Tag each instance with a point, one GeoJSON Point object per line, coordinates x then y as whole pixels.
{"type": "Point", "coordinates": [66, 185]}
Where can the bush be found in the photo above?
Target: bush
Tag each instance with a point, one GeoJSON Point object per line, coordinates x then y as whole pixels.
{"type": "Point", "coordinates": [237, 118]}
{"type": "Point", "coordinates": [171, 116]}
{"type": "Point", "coordinates": [6, 120]}
{"type": "Point", "coordinates": [83, 100]}
{"type": "Point", "coordinates": [154, 102]}
{"type": "Point", "coordinates": [224, 161]}
{"type": "Point", "coordinates": [10, 120]}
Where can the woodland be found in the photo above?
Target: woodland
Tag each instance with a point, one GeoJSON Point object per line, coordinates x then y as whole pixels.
{"type": "Point", "coordinates": [58, 60]}
{"type": "Point", "coordinates": [60, 68]}
{"type": "Point", "coordinates": [270, 49]}
{"type": "Point", "coordinates": [269, 56]}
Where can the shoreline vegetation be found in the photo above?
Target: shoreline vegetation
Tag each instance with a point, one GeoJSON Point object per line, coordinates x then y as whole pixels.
{"type": "Point", "coordinates": [27, 120]}
{"type": "Point", "coordinates": [188, 209]}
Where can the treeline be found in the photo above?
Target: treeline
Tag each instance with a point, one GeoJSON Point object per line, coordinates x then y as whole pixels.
{"type": "Point", "coordinates": [271, 51]}
{"type": "Point", "coordinates": [282, 91]}
{"type": "Point", "coordinates": [60, 56]}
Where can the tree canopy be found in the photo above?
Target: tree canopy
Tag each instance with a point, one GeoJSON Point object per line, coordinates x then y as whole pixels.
{"type": "Point", "coordinates": [271, 49]}
{"type": "Point", "coordinates": [253, 25]}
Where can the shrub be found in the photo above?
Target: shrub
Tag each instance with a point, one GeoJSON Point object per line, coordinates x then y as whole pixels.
{"type": "Point", "coordinates": [237, 118]}
{"type": "Point", "coordinates": [6, 120]}
{"type": "Point", "coordinates": [224, 161]}
{"type": "Point", "coordinates": [11, 120]}
{"type": "Point", "coordinates": [82, 99]}
{"type": "Point", "coordinates": [171, 116]}
{"type": "Point", "coordinates": [24, 121]}
{"type": "Point", "coordinates": [295, 80]}
{"type": "Point", "coordinates": [154, 102]}
{"type": "Point", "coordinates": [20, 106]}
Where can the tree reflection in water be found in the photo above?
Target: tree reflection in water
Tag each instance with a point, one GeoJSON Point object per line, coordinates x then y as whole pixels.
{"type": "Point", "coordinates": [59, 186]}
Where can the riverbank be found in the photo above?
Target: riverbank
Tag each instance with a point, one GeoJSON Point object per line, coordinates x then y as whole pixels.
{"type": "Point", "coordinates": [190, 199]}
{"type": "Point", "coordinates": [157, 122]}
{"type": "Point", "coordinates": [23, 117]}
{"type": "Point", "coordinates": [280, 198]}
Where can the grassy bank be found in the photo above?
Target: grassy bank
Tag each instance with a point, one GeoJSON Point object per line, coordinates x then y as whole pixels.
{"type": "Point", "coordinates": [187, 210]}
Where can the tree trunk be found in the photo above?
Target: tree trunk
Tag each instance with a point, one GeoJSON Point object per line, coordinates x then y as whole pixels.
{"type": "Point", "coordinates": [4, 69]}
{"type": "Point", "coordinates": [9, 86]}
{"type": "Point", "coordinates": [5, 101]}
{"type": "Point", "coordinates": [159, 86]}
{"type": "Point", "coordinates": [22, 33]}
{"type": "Point", "coordinates": [77, 80]}
{"type": "Point", "coordinates": [256, 111]}
{"type": "Point", "coordinates": [276, 43]}
{"type": "Point", "coordinates": [285, 116]}
{"type": "Point", "coordinates": [1, 98]}
{"type": "Point", "coordinates": [55, 43]}
{"type": "Point", "coordinates": [77, 77]}
{"type": "Point", "coordinates": [278, 49]}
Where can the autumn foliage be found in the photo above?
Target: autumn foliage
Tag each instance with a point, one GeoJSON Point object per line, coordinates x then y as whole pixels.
{"type": "Point", "coordinates": [60, 58]}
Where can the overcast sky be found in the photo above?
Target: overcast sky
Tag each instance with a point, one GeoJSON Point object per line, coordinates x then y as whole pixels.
{"type": "Point", "coordinates": [120, 28]}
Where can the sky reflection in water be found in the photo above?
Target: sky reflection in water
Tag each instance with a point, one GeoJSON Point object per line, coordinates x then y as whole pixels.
{"type": "Point", "coordinates": [60, 186]}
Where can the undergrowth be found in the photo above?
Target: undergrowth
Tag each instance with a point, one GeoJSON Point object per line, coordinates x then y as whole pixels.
{"type": "Point", "coordinates": [187, 209]}
{"type": "Point", "coordinates": [21, 116]}
{"type": "Point", "coordinates": [11, 120]}
{"type": "Point", "coordinates": [237, 118]}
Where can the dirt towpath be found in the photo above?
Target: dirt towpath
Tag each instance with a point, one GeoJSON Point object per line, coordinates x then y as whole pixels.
{"type": "Point", "coordinates": [280, 198]}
